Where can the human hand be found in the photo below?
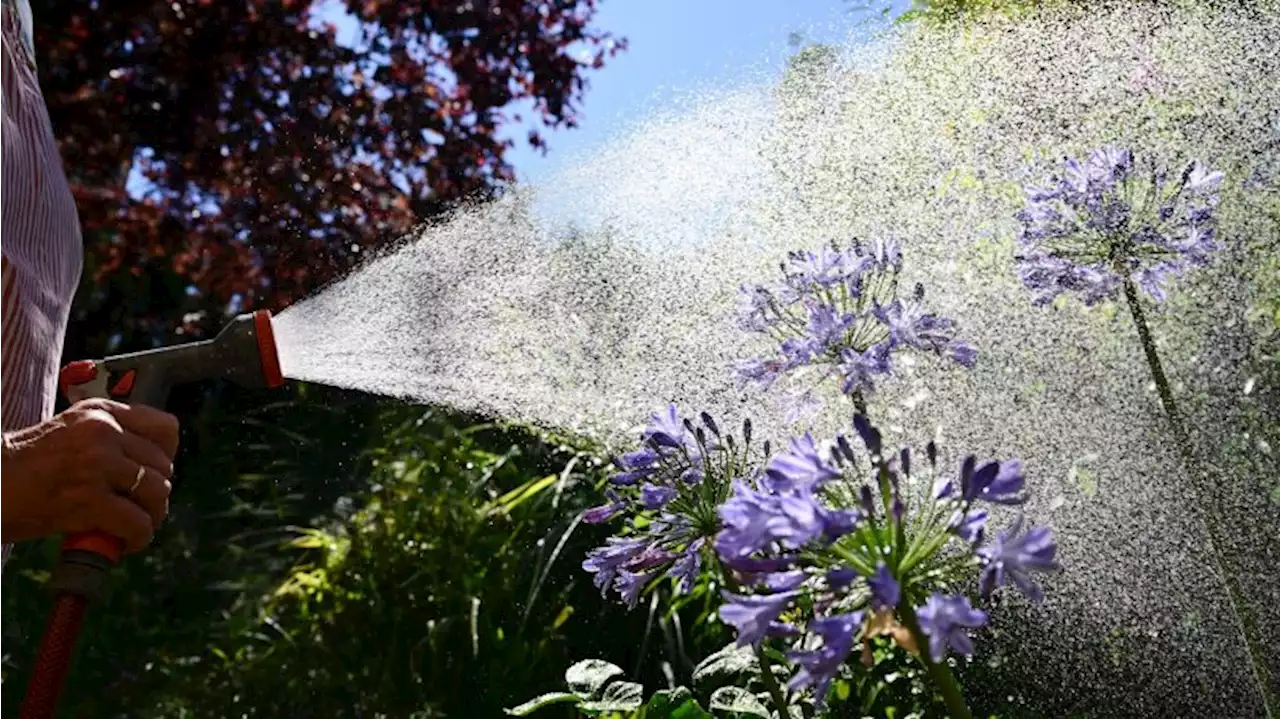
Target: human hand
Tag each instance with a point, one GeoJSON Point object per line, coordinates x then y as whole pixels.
{"type": "Point", "coordinates": [99, 466]}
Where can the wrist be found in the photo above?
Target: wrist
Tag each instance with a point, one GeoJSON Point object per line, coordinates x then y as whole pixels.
{"type": "Point", "coordinates": [17, 515]}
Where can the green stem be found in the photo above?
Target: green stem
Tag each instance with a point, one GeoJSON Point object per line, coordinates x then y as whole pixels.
{"type": "Point", "coordinates": [940, 673]}
{"type": "Point", "coordinates": [1203, 489]}
{"type": "Point", "coordinates": [766, 667]}
{"type": "Point", "coordinates": [771, 683]}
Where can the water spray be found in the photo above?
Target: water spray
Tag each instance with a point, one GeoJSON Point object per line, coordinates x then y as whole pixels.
{"type": "Point", "coordinates": [244, 352]}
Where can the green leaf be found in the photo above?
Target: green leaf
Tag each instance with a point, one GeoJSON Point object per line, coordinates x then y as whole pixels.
{"type": "Point", "coordinates": [675, 703]}
{"type": "Point", "coordinates": [537, 703]}
{"type": "Point", "coordinates": [519, 495]}
{"type": "Point", "coordinates": [588, 677]}
{"type": "Point", "coordinates": [730, 661]}
{"type": "Point", "coordinates": [618, 697]}
{"type": "Point", "coordinates": [738, 701]}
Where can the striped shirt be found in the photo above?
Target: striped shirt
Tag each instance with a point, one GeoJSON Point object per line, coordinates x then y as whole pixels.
{"type": "Point", "coordinates": [39, 237]}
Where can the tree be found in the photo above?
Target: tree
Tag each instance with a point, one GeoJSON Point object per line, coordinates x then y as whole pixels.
{"type": "Point", "coordinates": [275, 154]}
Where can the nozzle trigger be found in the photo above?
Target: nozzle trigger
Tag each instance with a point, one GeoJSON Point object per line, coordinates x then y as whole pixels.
{"type": "Point", "coordinates": [123, 387]}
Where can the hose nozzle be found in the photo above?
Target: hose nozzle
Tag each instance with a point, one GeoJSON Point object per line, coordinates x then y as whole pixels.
{"type": "Point", "coordinates": [244, 352]}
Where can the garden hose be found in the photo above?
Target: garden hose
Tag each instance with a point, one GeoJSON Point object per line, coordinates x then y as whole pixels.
{"type": "Point", "coordinates": [244, 352]}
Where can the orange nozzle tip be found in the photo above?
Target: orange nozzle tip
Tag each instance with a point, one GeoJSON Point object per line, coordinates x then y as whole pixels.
{"type": "Point", "coordinates": [267, 348]}
{"type": "Point", "coordinates": [97, 542]}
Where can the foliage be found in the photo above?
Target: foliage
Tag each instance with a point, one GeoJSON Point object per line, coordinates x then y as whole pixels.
{"type": "Point", "coordinates": [249, 467]}
{"type": "Point", "coordinates": [277, 153]}
{"type": "Point", "coordinates": [459, 563]}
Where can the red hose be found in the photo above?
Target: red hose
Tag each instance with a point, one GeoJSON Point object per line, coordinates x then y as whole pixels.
{"type": "Point", "coordinates": [54, 658]}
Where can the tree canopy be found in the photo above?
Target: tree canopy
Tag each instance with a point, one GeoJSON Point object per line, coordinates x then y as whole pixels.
{"type": "Point", "coordinates": [274, 150]}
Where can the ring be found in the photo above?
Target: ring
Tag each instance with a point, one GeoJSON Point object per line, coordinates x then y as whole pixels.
{"type": "Point", "coordinates": [142, 472]}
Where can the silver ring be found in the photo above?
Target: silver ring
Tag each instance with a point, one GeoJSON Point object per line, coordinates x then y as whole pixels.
{"type": "Point", "coordinates": [142, 472]}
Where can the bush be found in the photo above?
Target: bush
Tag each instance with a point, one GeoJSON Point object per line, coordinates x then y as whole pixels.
{"type": "Point", "coordinates": [453, 588]}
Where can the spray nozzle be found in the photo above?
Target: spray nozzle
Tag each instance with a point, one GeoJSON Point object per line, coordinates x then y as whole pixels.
{"type": "Point", "coordinates": [244, 352]}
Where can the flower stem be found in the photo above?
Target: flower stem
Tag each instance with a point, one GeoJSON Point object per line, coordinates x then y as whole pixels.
{"type": "Point", "coordinates": [766, 667]}
{"type": "Point", "coordinates": [1203, 489]}
{"type": "Point", "coordinates": [939, 672]}
{"type": "Point", "coordinates": [771, 683]}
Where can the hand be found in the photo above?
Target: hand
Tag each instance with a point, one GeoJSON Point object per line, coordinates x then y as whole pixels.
{"type": "Point", "coordinates": [73, 473]}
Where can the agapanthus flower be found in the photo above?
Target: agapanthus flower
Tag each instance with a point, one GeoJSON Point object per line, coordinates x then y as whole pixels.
{"type": "Point", "coordinates": [857, 537]}
{"type": "Point", "coordinates": [819, 666]}
{"type": "Point", "coordinates": [837, 315]}
{"type": "Point", "coordinates": [667, 493]}
{"type": "Point", "coordinates": [752, 614]}
{"type": "Point", "coordinates": [1012, 556]}
{"type": "Point", "coordinates": [946, 621]}
{"type": "Point", "coordinates": [1107, 220]}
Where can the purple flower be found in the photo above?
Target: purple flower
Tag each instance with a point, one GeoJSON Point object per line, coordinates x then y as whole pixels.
{"type": "Point", "coordinates": [962, 353]}
{"type": "Point", "coordinates": [969, 525]}
{"type": "Point", "coordinates": [827, 326]}
{"type": "Point", "coordinates": [745, 517]}
{"type": "Point", "coordinates": [887, 254]}
{"type": "Point", "coordinates": [754, 565]}
{"type": "Point", "coordinates": [630, 584]}
{"type": "Point", "coordinates": [1011, 558]}
{"type": "Point", "coordinates": [819, 666]}
{"type": "Point", "coordinates": [753, 521]}
{"type": "Point", "coordinates": [605, 512]}
{"type": "Point", "coordinates": [945, 620]}
{"type": "Point", "coordinates": [885, 591]}
{"type": "Point", "coordinates": [802, 467]}
{"type": "Point", "coordinates": [783, 630]}
{"type": "Point", "coordinates": [636, 466]}
{"type": "Point", "coordinates": [674, 486]}
{"type": "Point", "coordinates": [824, 269]}
{"type": "Point", "coordinates": [784, 581]}
{"type": "Point", "coordinates": [666, 429]}
{"type": "Point", "coordinates": [910, 325]}
{"type": "Point", "coordinates": [838, 522]}
{"type": "Point", "coordinates": [751, 614]}
{"type": "Point", "coordinates": [1082, 234]}
{"type": "Point", "coordinates": [605, 561]}
{"type": "Point", "coordinates": [655, 497]}
{"type": "Point", "coordinates": [858, 370]}
{"type": "Point", "coordinates": [827, 313]}
{"type": "Point", "coordinates": [753, 309]}
{"type": "Point", "coordinates": [685, 569]}
{"type": "Point", "coordinates": [841, 577]}
{"type": "Point", "coordinates": [651, 557]}
{"type": "Point", "coordinates": [758, 373]}
{"type": "Point", "coordinates": [995, 482]}
{"type": "Point", "coordinates": [869, 434]}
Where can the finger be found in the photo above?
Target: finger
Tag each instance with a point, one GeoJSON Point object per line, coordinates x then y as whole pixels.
{"type": "Point", "coordinates": [119, 472]}
{"type": "Point", "coordinates": [159, 427]}
{"type": "Point", "coordinates": [121, 518]}
{"type": "Point", "coordinates": [152, 495]}
{"type": "Point", "coordinates": [144, 452]}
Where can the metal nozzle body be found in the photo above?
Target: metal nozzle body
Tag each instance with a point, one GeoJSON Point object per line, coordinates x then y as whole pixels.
{"type": "Point", "coordinates": [244, 352]}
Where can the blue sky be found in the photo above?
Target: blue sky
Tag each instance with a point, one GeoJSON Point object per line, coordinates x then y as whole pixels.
{"type": "Point", "coordinates": [677, 46]}
{"type": "Point", "coordinates": [674, 47]}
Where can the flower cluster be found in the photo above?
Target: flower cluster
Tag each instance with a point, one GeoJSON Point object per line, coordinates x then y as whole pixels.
{"type": "Point", "coordinates": [1104, 222]}
{"type": "Point", "coordinates": [669, 489]}
{"type": "Point", "coordinates": [854, 538]}
{"type": "Point", "coordinates": [838, 312]}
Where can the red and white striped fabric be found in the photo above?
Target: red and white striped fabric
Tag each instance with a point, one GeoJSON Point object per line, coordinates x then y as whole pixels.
{"type": "Point", "coordinates": [39, 238]}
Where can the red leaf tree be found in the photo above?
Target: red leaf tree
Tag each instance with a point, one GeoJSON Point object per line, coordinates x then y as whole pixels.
{"type": "Point", "coordinates": [276, 152]}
